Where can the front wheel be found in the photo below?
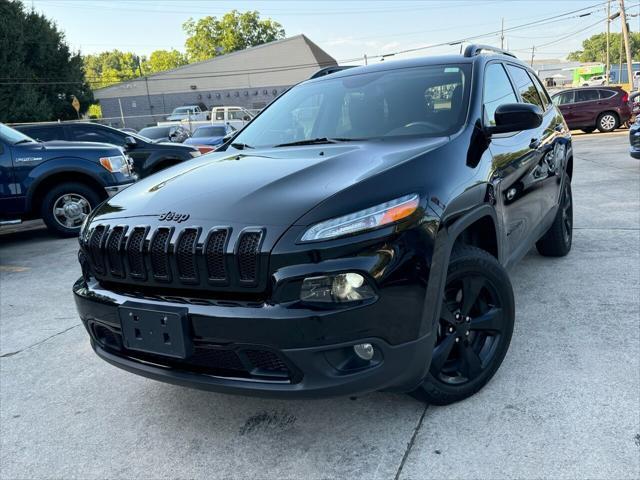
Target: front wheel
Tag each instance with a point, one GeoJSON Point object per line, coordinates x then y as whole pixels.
{"type": "Point", "coordinates": [474, 330]}
{"type": "Point", "coordinates": [65, 207]}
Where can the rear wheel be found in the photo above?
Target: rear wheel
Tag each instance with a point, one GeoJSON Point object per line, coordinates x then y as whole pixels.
{"type": "Point", "coordinates": [65, 207]}
{"type": "Point", "coordinates": [557, 241]}
{"type": "Point", "coordinates": [607, 122]}
{"type": "Point", "coordinates": [474, 330]}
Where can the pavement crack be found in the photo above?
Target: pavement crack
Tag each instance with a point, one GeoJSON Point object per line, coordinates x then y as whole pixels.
{"type": "Point", "coordinates": [411, 442]}
{"type": "Point", "coordinates": [11, 354]}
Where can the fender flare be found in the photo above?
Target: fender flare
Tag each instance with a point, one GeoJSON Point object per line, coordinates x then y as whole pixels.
{"type": "Point", "coordinates": [71, 165]}
{"type": "Point", "coordinates": [445, 240]}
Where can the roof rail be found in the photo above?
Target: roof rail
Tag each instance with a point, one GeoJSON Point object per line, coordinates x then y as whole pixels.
{"type": "Point", "coordinates": [329, 70]}
{"type": "Point", "coordinates": [475, 49]}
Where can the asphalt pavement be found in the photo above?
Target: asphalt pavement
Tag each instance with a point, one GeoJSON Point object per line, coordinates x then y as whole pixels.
{"type": "Point", "coordinates": [564, 404]}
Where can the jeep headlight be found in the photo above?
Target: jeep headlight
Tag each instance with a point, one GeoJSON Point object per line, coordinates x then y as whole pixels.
{"type": "Point", "coordinates": [367, 219]}
{"type": "Point", "coordinates": [117, 163]}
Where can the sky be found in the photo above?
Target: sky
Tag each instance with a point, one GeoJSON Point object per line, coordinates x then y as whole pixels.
{"type": "Point", "coordinates": [347, 30]}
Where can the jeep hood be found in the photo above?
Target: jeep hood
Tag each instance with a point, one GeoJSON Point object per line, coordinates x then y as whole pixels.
{"type": "Point", "coordinates": [260, 187]}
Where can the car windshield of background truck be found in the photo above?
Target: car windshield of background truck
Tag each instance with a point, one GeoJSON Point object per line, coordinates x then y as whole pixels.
{"type": "Point", "coordinates": [420, 101]}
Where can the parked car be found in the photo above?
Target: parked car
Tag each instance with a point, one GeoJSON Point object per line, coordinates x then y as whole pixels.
{"type": "Point", "coordinates": [166, 133]}
{"type": "Point", "coordinates": [148, 156]}
{"type": "Point", "coordinates": [595, 81]}
{"type": "Point", "coordinates": [368, 252]}
{"type": "Point", "coordinates": [211, 135]}
{"type": "Point", "coordinates": [60, 182]}
{"type": "Point", "coordinates": [586, 109]}
{"type": "Point", "coordinates": [189, 112]}
{"type": "Point", "coordinates": [634, 138]}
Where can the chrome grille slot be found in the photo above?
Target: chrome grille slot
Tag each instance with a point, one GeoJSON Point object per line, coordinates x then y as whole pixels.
{"type": "Point", "coordinates": [159, 253]}
{"type": "Point", "coordinates": [114, 245]}
{"type": "Point", "coordinates": [186, 255]}
{"type": "Point", "coordinates": [214, 251]}
{"type": "Point", "coordinates": [248, 255]}
{"type": "Point", "coordinates": [135, 256]}
{"type": "Point", "coordinates": [95, 248]}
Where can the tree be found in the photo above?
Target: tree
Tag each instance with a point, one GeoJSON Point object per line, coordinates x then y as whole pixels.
{"type": "Point", "coordinates": [106, 68]}
{"type": "Point", "coordinates": [40, 75]}
{"type": "Point", "coordinates": [594, 48]}
{"type": "Point", "coordinates": [209, 36]}
{"type": "Point", "coordinates": [161, 60]}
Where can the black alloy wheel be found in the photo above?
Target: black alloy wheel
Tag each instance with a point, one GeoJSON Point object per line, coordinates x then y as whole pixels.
{"type": "Point", "coordinates": [556, 242]}
{"type": "Point", "coordinates": [474, 330]}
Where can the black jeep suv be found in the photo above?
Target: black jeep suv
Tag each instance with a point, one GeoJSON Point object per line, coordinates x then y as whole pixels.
{"type": "Point", "coordinates": [353, 237]}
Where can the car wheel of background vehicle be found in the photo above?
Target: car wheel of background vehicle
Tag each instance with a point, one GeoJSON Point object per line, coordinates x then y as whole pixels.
{"type": "Point", "coordinates": [607, 122]}
{"type": "Point", "coordinates": [65, 207]}
{"type": "Point", "coordinates": [588, 130]}
{"type": "Point", "coordinates": [474, 330]}
{"type": "Point", "coordinates": [557, 241]}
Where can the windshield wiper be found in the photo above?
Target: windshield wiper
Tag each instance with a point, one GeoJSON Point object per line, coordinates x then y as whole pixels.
{"type": "Point", "coordinates": [240, 146]}
{"type": "Point", "coordinates": [314, 141]}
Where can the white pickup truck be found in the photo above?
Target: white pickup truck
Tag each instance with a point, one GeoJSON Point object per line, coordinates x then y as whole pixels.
{"type": "Point", "coordinates": [188, 112]}
{"type": "Point", "coordinates": [234, 117]}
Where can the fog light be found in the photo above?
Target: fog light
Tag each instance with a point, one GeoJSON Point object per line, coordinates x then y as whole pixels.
{"type": "Point", "coordinates": [364, 351]}
{"type": "Point", "coordinates": [343, 287]}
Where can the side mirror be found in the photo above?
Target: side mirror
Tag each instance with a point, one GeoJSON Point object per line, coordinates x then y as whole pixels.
{"type": "Point", "coordinates": [130, 142]}
{"type": "Point", "coordinates": [513, 117]}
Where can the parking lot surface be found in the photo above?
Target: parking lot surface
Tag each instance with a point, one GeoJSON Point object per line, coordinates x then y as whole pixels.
{"type": "Point", "coordinates": [565, 404]}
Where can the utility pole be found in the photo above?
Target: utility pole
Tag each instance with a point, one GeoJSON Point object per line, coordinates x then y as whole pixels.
{"type": "Point", "coordinates": [533, 52]}
{"type": "Point", "coordinates": [502, 35]}
{"type": "Point", "coordinates": [146, 82]}
{"type": "Point", "coordinates": [607, 67]}
{"type": "Point", "coordinates": [627, 48]}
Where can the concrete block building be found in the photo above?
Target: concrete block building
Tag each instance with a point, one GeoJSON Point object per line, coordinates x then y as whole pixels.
{"type": "Point", "coordinates": [249, 78]}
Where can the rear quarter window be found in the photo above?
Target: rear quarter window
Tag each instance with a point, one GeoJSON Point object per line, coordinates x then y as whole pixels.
{"type": "Point", "coordinates": [604, 94]}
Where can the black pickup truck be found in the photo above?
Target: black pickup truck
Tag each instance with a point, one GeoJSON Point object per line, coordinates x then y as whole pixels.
{"type": "Point", "coordinates": [60, 182]}
{"type": "Point", "coordinates": [148, 156]}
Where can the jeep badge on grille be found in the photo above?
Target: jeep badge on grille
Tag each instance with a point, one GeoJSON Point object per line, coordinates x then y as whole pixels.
{"type": "Point", "coordinates": [174, 217]}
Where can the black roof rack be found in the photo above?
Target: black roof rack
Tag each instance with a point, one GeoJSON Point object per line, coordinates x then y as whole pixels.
{"type": "Point", "coordinates": [475, 49]}
{"type": "Point", "coordinates": [329, 70]}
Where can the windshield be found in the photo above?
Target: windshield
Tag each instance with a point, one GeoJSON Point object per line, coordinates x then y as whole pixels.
{"type": "Point", "coordinates": [154, 132]}
{"type": "Point", "coordinates": [12, 136]}
{"type": "Point", "coordinates": [425, 101]}
{"type": "Point", "coordinates": [210, 132]}
{"type": "Point", "coordinates": [183, 110]}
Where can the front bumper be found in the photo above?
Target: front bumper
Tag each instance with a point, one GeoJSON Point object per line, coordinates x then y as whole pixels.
{"type": "Point", "coordinates": [297, 356]}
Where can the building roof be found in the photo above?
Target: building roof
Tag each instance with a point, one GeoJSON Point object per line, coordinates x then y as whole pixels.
{"type": "Point", "coordinates": [282, 62]}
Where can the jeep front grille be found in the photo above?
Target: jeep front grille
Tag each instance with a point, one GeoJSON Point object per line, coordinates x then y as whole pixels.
{"type": "Point", "coordinates": [174, 257]}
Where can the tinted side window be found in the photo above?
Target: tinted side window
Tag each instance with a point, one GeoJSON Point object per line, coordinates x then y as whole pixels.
{"type": "Point", "coordinates": [236, 115]}
{"type": "Point", "coordinates": [587, 95]}
{"type": "Point", "coordinates": [544, 96]}
{"type": "Point", "coordinates": [563, 98]}
{"type": "Point", "coordinates": [606, 94]}
{"type": "Point", "coordinates": [46, 134]}
{"type": "Point", "coordinates": [497, 91]}
{"type": "Point", "coordinates": [219, 114]}
{"type": "Point", "coordinates": [87, 134]}
{"type": "Point", "coordinates": [525, 86]}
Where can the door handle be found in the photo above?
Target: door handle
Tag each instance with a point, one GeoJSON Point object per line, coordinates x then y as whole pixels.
{"type": "Point", "coordinates": [534, 143]}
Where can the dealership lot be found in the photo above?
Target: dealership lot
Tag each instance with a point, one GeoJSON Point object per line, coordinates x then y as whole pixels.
{"type": "Point", "coordinates": [565, 403]}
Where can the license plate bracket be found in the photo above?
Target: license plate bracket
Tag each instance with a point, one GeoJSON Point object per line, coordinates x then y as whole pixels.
{"type": "Point", "coordinates": [160, 331]}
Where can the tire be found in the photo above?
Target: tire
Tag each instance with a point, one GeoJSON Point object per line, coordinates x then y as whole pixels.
{"type": "Point", "coordinates": [556, 242]}
{"type": "Point", "coordinates": [473, 333]}
{"type": "Point", "coordinates": [65, 206]}
{"type": "Point", "coordinates": [607, 122]}
{"type": "Point", "coordinates": [588, 130]}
